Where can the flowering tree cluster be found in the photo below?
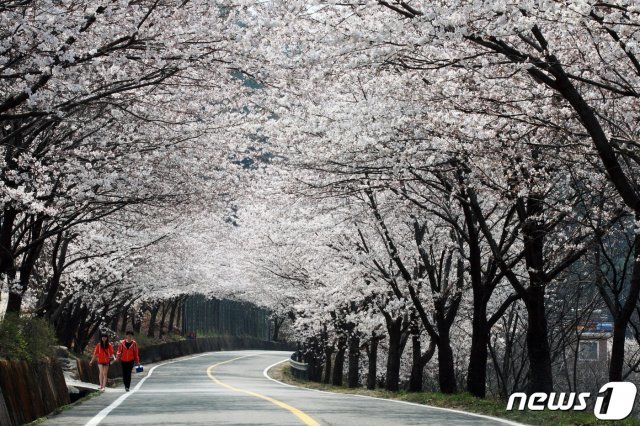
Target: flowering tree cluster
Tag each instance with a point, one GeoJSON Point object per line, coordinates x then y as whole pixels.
{"type": "Point", "coordinates": [474, 165]}
{"type": "Point", "coordinates": [118, 122]}
{"type": "Point", "coordinates": [454, 177]}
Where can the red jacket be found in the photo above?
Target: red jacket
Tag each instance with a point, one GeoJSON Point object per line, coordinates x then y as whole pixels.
{"type": "Point", "coordinates": [130, 354]}
{"type": "Point", "coordinates": [104, 355]}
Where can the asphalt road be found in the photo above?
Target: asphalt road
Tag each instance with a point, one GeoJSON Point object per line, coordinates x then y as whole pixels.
{"type": "Point", "coordinates": [230, 388]}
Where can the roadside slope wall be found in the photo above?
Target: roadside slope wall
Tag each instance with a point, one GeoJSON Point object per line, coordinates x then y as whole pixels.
{"type": "Point", "coordinates": [30, 390]}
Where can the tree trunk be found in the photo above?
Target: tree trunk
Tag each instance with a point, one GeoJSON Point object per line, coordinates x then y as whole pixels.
{"type": "Point", "coordinates": [152, 321]}
{"type": "Point", "coordinates": [541, 378]}
{"type": "Point", "coordinates": [277, 323]}
{"type": "Point", "coordinates": [446, 370]}
{"type": "Point", "coordinates": [477, 373]}
{"type": "Point", "coordinates": [338, 366]}
{"type": "Point", "coordinates": [163, 319]}
{"type": "Point", "coordinates": [7, 261]}
{"type": "Point", "coordinates": [64, 329]}
{"type": "Point", "coordinates": [540, 374]}
{"type": "Point", "coordinates": [417, 368]}
{"type": "Point", "coordinates": [394, 355]}
{"type": "Point", "coordinates": [172, 315]}
{"type": "Point", "coordinates": [616, 363]}
{"type": "Point", "coordinates": [47, 307]}
{"type": "Point", "coordinates": [477, 370]}
{"type": "Point", "coordinates": [114, 322]}
{"type": "Point", "coordinates": [57, 263]}
{"type": "Point", "coordinates": [372, 355]}
{"type": "Point", "coordinates": [81, 336]}
{"type": "Point", "coordinates": [14, 303]}
{"type": "Point", "coordinates": [136, 322]}
{"type": "Point", "coordinates": [621, 322]}
{"type": "Point", "coordinates": [179, 315]}
{"type": "Point", "coordinates": [328, 353]}
{"type": "Point", "coordinates": [353, 376]}
{"type": "Point", "coordinates": [311, 358]}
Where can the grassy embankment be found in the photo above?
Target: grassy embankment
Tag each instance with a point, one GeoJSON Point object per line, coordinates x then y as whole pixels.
{"type": "Point", "coordinates": [461, 401]}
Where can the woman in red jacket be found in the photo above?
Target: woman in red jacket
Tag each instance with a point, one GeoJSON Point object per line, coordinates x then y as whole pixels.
{"type": "Point", "coordinates": [104, 354]}
{"type": "Point", "coordinates": [128, 354]}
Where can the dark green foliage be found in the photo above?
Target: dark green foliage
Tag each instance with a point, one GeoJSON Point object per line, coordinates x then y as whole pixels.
{"type": "Point", "coordinates": [12, 342]}
{"type": "Point", "coordinates": [25, 338]}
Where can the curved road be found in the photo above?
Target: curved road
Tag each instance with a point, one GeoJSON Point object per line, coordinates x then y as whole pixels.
{"type": "Point", "coordinates": [231, 388]}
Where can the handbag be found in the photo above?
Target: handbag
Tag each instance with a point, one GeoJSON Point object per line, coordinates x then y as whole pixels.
{"type": "Point", "coordinates": [139, 368]}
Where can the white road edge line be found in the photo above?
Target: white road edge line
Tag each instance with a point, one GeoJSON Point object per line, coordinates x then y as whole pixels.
{"type": "Point", "coordinates": [105, 411]}
{"type": "Point", "coordinates": [451, 410]}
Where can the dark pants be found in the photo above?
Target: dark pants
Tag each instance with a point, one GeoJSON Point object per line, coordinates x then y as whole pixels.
{"type": "Point", "coordinates": [127, 366]}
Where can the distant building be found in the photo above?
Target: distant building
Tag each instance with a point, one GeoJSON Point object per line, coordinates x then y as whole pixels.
{"type": "Point", "coordinates": [594, 347]}
{"type": "Point", "coordinates": [594, 343]}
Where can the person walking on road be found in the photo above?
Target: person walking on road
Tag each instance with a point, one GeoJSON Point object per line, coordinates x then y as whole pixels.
{"type": "Point", "coordinates": [104, 354]}
{"type": "Point", "coordinates": [128, 354]}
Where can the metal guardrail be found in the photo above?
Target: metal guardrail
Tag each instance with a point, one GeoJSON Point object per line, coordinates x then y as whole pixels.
{"type": "Point", "coordinates": [299, 370]}
{"type": "Point", "coordinates": [299, 365]}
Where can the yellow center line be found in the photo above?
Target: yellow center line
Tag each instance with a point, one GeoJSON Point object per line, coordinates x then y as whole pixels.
{"type": "Point", "coordinates": [299, 414]}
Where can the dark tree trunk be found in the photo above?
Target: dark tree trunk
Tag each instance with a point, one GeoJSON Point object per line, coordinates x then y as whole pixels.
{"type": "Point", "coordinates": [277, 324]}
{"type": "Point", "coordinates": [61, 245]}
{"type": "Point", "coordinates": [372, 355]}
{"type": "Point", "coordinates": [477, 370]}
{"type": "Point", "coordinates": [541, 378]}
{"type": "Point", "coordinates": [328, 354]}
{"type": "Point", "coordinates": [163, 319]}
{"type": "Point", "coordinates": [616, 363]}
{"type": "Point", "coordinates": [81, 337]}
{"type": "Point", "coordinates": [136, 322]}
{"type": "Point", "coordinates": [311, 358]}
{"type": "Point", "coordinates": [444, 318]}
{"type": "Point", "coordinates": [48, 305]}
{"type": "Point", "coordinates": [417, 365]}
{"type": "Point", "coordinates": [353, 379]}
{"type": "Point", "coordinates": [396, 347]}
{"type": "Point", "coordinates": [7, 260]}
{"type": "Point", "coordinates": [477, 373]}
{"type": "Point", "coordinates": [64, 329]}
{"type": "Point", "coordinates": [315, 370]}
{"type": "Point", "coordinates": [446, 371]}
{"type": "Point", "coordinates": [338, 366]}
{"type": "Point", "coordinates": [172, 316]}
{"type": "Point", "coordinates": [60, 309]}
{"type": "Point", "coordinates": [180, 315]}
{"type": "Point", "coordinates": [14, 303]}
{"type": "Point", "coordinates": [621, 321]}
{"type": "Point", "coordinates": [152, 321]}
{"type": "Point", "coordinates": [540, 374]}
